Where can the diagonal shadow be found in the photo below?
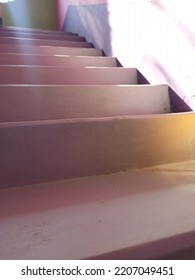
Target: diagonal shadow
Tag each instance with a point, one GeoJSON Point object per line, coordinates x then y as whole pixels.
{"type": "Point", "coordinates": [187, 32]}
{"type": "Point", "coordinates": [178, 247]}
{"type": "Point", "coordinates": [79, 18]}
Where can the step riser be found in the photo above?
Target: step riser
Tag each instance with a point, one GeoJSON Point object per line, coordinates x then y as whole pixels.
{"type": "Point", "coordinates": [62, 75]}
{"type": "Point", "coordinates": [14, 59]}
{"type": "Point", "coordinates": [49, 50]}
{"type": "Point", "coordinates": [41, 36]}
{"type": "Point", "coordinates": [47, 103]}
{"type": "Point", "coordinates": [74, 44]}
{"type": "Point", "coordinates": [43, 152]}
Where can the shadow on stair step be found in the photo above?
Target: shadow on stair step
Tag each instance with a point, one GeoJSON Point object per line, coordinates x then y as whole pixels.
{"type": "Point", "coordinates": [177, 104]}
{"type": "Point", "coordinates": [172, 248]}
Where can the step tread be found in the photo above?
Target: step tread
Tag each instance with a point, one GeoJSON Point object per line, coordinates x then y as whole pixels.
{"type": "Point", "coordinates": [149, 117]}
{"type": "Point", "coordinates": [36, 35]}
{"type": "Point", "coordinates": [47, 40]}
{"type": "Point", "coordinates": [67, 75]}
{"type": "Point", "coordinates": [22, 55]}
{"type": "Point", "coordinates": [51, 50]}
{"type": "Point", "coordinates": [57, 60]}
{"type": "Point", "coordinates": [40, 151]}
{"type": "Point", "coordinates": [32, 30]}
{"type": "Point", "coordinates": [41, 42]}
{"type": "Point", "coordinates": [85, 86]}
{"type": "Point", "coordinates": [117, 69]}
{"type": "Point", "coordinates": [123, 215]}
{"type": "Point", "coordinates": [60, 55]}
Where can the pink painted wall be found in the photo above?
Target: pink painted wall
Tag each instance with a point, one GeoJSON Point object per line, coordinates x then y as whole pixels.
{"type": "Point", "coordinates": [156, 36]}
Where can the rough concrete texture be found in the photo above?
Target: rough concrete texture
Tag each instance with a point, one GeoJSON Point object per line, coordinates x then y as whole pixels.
{"type": "Point", "coordinates": [141, 214]}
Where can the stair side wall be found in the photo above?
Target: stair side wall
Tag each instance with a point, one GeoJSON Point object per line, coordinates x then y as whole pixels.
{"type": "Point", "coordinates": [158, 37]}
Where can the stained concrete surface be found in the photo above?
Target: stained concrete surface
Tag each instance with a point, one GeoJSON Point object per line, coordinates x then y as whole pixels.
{"type": "Point", "coordinates": [97, 216]}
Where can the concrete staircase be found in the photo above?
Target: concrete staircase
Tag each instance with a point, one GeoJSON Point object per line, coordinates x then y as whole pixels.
{"type": "Point", "coordinates": [92, 164]}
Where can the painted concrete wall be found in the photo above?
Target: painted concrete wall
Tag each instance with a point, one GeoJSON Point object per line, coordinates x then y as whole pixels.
{"type": "Point", "coordinates": [30, 13]}
{"type": "Point", "coordinates": [63, 6]}
{"type": "Point", "coordinates": [156, 36]}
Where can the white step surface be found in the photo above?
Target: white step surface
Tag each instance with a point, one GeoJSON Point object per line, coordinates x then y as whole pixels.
{"type": "Point", "coordinates": [41, 75]}
{"type": "Point", "coordinates": [40, 151]}
{"type": "Point", "coordinates": [49, 50]}
{"type": "Point", "coordinates": [142, 214]}
{"type": "Point", "coordinates": [24, 103]}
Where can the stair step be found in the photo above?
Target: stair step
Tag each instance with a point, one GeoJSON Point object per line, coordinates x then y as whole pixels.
{"type": "Point", "coordinates": [49, 50]}
{"type": "Point", "coordinates": [57, 60]}
{"type": "Point", "coordinates": [139, 214]}
{"type": "Point", "coordinates": [27, 103]}
{"type": "Point", "coordinates": [40, 36]}
{"type": "Point", "coordinates": [63, 122]}
{"type": "Point", "coordinates": [76, 42]}
{"type": "Point", "coordinates": [41, 75]}
{"type": "Point", "coordinates": [33, 31]}
{"type": "Point", "coordinates": [41, 151]}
